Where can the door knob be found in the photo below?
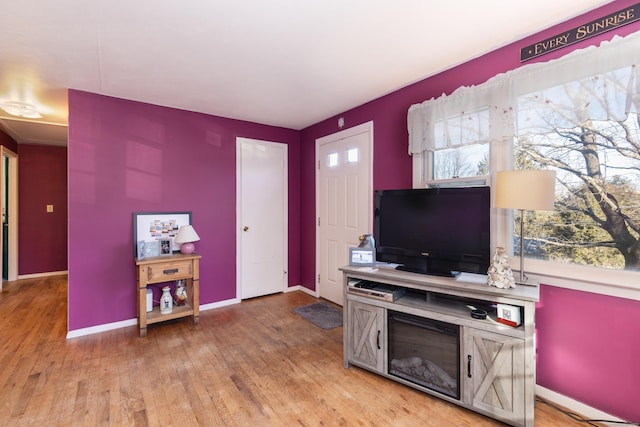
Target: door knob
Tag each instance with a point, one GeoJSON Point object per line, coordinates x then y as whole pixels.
{"type": "Point", "coordinates": [245, 228]}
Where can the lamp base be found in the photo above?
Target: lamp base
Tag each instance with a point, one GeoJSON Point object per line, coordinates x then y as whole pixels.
{"type": "Point", "coordinates": [187, 248]}
{"type": "Point", "coordinates": [527, 282]}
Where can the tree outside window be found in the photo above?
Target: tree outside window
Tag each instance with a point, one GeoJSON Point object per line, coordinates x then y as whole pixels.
{"type": "Point", "coordinates": [583, 131]}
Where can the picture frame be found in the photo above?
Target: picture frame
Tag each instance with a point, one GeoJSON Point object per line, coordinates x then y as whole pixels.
{"type": "Point", "coordinates": [166, 246]}
{"type": "Point", "coordinates": [140, 253]}
{"type": "Point", "coordinates": [362, 257]}
{"type": "Point", "coordinates": [151, 249]}
{"type": "Point", "coordinates": [150, 227]}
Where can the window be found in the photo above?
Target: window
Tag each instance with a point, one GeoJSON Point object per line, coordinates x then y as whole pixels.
{"type": "Point", "coordinates": [332, 160]}
{"type": "Point", "coordinates": [576, 115]}
{"type": "Point", "coordinates": [352, 155]}
{"type": "Point", "coordinates": [576, 129]}
{"type": "Point", "coordinates": [461, 147]}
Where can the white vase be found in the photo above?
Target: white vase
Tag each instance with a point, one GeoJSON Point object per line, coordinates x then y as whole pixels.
{"type": "Point", "coordinates": [166, 301]}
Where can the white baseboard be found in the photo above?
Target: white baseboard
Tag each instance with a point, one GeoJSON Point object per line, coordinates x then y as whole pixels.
{"type": "Point", "coordinates": [134, 322]}
{"type": "Point", "coordinates": [37, 275]}
{"type": "Point", "coordinates": [101, 328]}
{"type": "Point", "coordinates": [219, 304]}
{"type": "Point", "coordinates": [574, 406]}
{"type": "Point", "coordinates": [303, 289]}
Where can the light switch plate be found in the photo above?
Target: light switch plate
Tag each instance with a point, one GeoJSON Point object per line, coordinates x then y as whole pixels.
{"type": "Point", "coordinates": [49, 208]}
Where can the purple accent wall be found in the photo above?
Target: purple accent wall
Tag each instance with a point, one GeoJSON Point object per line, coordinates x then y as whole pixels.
{"type": "Point", "coordinates": [42, 181]}
{"type": "Point", "coordinates": [126, 157]}
{"type": "Point", "coordinates": [604, 360]}
{"type": "Point", "coordinates": [588, 347]}
{"type": "Point", "coordinates": [8, 142]}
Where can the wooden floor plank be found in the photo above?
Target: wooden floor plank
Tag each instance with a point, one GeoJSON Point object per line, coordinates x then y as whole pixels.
{"type": "Point", "coordinates": [256, 363]}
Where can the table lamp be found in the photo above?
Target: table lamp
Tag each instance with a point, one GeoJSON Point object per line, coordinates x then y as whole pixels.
{"type": "Point", "coordinates": [525, 190]}
{"type": "Point", "coordinates": [185, 237]}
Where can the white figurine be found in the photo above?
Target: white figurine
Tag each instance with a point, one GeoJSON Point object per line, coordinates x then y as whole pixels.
{"type": "Point", "coordinates": [500, 274]}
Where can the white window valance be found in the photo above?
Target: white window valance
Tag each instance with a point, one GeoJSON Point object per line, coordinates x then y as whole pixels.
{"type": "Point", "coordinates": [461, 118]}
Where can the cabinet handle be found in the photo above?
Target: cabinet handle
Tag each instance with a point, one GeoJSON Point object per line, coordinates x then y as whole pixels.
{"type": "Point", "coordinates": [171, 271]}
{"type": "Point", "coordinates": [469, 365]}
{"type": "Point", "coordinates": [378, 340]}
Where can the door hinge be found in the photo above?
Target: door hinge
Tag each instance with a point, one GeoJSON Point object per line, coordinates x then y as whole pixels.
{"type": "Point", "coordinates": [318, 164]}
{"type": "Point", "coordinates": [318, 278]}
{"type": "Point", "coordinates": [318, 221]}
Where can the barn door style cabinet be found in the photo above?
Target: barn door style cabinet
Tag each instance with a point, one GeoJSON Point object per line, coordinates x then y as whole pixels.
{"type": "Point", "coordinates": [419, 330]}
{"type": "Point", "coordinates": [366, 327]}
{"type": "Point", "coordinates": [495, 382]}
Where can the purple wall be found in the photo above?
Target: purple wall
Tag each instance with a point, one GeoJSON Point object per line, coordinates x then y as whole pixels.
{"type": "Point", "coordinates": [8, 142]}
{"type": "Point", "coordinates": [604, 368]}
{"type": "Point", "coordinates": [126, 157]}
{"type": "Point", "coordinates": [42, 181]}
{"type": "Point", "coordinates": [588, 347]}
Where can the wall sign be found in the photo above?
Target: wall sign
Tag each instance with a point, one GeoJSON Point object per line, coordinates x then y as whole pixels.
{"type": "Point", "coordinates": [602, 25]}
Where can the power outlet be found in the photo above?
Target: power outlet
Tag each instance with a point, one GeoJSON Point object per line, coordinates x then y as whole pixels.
{"type": "Point", "coordinates": [49, 208]}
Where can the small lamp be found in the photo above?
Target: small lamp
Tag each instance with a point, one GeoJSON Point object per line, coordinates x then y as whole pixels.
{"type": "Point", "coordinates": [185, 237]}
{"type": "Point", "coordinates": [525, 190]}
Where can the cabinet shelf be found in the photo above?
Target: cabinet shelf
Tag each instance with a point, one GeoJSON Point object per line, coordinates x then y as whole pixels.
{"type": "Point", "coordinates": [155, 316]}
{"type": "Point", "coordinates": [461, 310]}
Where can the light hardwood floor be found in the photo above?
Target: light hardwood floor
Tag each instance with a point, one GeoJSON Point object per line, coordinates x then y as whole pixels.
{"type": "Point", "coordinates": [251, 364]}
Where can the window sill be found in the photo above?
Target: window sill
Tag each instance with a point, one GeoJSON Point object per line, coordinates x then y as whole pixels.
{"type": "Point", "coordinates": [616, 283]}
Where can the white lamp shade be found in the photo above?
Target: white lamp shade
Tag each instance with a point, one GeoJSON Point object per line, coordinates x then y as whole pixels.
{"type": "Point", "coordinates": [186, 234]}
{"type": "Point", "coordinates": [525, 189]}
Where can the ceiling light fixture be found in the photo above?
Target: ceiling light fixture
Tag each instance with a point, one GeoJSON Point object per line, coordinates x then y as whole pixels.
{"type": "Point", "coordinates": [20, 109]}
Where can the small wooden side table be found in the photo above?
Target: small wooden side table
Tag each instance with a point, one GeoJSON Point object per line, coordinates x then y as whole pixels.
{"type": "Point", "coordinates": [168, 268]}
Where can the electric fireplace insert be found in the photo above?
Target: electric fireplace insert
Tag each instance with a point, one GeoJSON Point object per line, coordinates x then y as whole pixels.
{"type": "Point", "coordinates": [425, 352]}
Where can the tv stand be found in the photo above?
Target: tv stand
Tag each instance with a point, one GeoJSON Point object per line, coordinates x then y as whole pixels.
{"type": "Point", "coordinates": [497, 362]}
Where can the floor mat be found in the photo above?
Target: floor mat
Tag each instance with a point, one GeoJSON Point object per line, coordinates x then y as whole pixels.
{"type": "Point", "coordinates": [321, 314]}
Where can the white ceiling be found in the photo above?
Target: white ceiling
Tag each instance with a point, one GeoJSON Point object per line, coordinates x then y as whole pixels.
{"type": "Point", "coordinates": [289, 63]}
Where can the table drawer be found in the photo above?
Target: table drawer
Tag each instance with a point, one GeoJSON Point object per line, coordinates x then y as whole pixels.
{"type": "Point", "coordinates": [167, 271]}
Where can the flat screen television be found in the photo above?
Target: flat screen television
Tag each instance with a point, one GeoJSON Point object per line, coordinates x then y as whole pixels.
{"type": "Point", "coordinates": [437, 231]}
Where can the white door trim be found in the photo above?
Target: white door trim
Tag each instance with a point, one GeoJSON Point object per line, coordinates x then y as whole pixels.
{"type": "Point", "coordinates": [356, 130]}
{"type": "Point", "coordinates": [239, 208]}
{"type": "Point", "coordinates": [12, 273]}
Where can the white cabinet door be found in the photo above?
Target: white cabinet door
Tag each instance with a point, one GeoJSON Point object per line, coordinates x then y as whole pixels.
{"type": "Point", "coordinates": [366, 344]}
{"type": "Point", "coordinates": [493, 373]}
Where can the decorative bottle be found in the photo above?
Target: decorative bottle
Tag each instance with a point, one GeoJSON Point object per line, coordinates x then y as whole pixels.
{"type": "Point", "coordinates": [166, 301]}
{"type": "Point", "coordinates": [180, 297]}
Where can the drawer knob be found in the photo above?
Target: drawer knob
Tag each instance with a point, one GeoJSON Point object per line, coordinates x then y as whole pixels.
{"type": "Point", "coordinates": [170, 271]}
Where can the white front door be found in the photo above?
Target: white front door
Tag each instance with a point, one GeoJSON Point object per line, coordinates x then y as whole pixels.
{"type": "Point", "coordinates": [344, 202]}
{"type": "Point", "coordinates": [261, 194]}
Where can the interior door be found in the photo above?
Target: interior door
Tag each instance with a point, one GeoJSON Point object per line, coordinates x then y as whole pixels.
{"type": "Point", "coordinates": [344, 202]}
{"type": "Point", "coordinates": [261, 217]}
{"type": "Point", "coordinates": [9, 207]}
{"type": "Point", "coordinates": [5, 218]}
